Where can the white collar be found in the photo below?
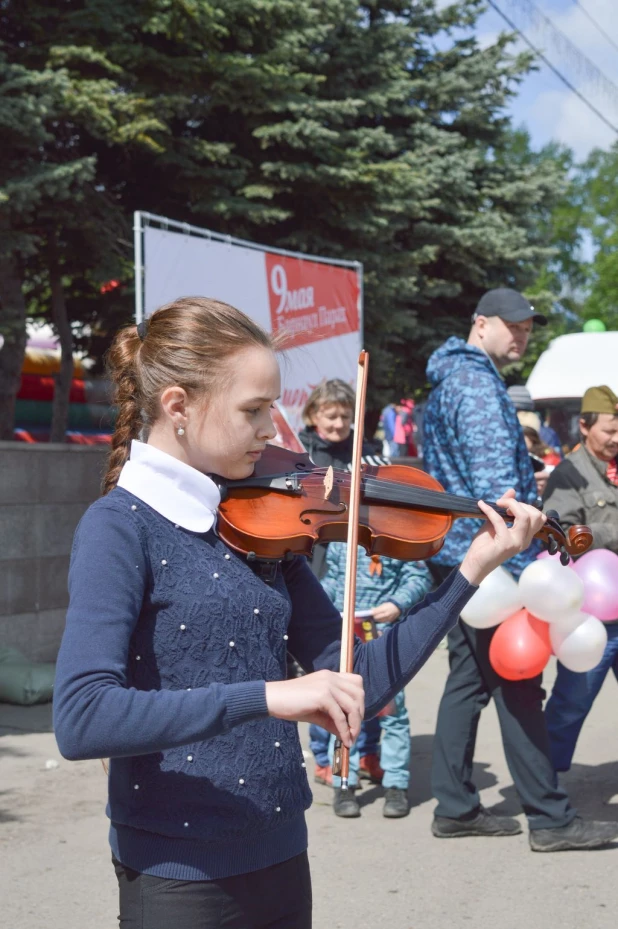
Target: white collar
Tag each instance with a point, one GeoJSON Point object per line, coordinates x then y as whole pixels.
{"type": "Point", "coordinates": [174, 489]}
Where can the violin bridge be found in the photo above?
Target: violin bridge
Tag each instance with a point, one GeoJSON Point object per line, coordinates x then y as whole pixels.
{"type": "Point", "coordinates": [329, 480]}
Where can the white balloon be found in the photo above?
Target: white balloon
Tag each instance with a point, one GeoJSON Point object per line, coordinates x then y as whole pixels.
{"type": "Point", "coordinates": [496, 599]}
{"type": "Point", "coordinates": [579, 643]}
{"type": "Point", "coordinates": [568, 622]}
{"type": "Point", "coordinates": [549, 590]}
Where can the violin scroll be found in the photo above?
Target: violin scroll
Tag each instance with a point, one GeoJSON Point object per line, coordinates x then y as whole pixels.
{"type": "Point", "coordinates": [575, 541]}
{"type": "Point", "coordinates": [579, 540]}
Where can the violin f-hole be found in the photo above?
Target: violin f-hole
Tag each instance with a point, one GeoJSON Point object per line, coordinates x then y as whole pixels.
{"type": "Point", "coordinates": [304, 516]}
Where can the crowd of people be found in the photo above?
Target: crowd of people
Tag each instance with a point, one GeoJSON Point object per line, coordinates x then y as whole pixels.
{"type": "Point", "coordinates": [469, 401]}
{"type": "Point", "coordinates": [398, 428]}
{"type": "Point", "coordinates": [174, 662]}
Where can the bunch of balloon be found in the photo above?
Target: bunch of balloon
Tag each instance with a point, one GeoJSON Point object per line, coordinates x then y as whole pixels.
{"type": "Point", "coordinates": [520, 647]}
{"type": "Point", "coordinates": [551, 609]}
{"type": "Point", "coordinates": [573, 602]}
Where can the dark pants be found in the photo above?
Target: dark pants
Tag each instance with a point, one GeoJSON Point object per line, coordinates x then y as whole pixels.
{"type": "Point", "coordinates": [471, 684]}
{"type": "Point", "coordinates": [572, 698]}
{"type": "Point", "coordinates": [278, 897]}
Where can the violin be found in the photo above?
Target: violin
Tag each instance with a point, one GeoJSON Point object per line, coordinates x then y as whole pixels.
{"type": "Point", "coordinates": [288, 505]}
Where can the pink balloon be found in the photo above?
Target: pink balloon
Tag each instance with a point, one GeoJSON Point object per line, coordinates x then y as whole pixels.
{"type": "Point", "coordinates": [556, 557]}
{"type": "Point", "coordinates": [598, 570]}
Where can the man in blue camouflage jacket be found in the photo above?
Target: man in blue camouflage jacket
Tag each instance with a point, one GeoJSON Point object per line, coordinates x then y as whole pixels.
{"type": "Point", "coordinates": [475, 447]}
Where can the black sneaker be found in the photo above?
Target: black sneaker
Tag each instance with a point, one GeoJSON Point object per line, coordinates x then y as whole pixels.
{"type": "Point", "coordinates": [482, 823]}
{"type": "Point", "coordinates": [345, 803]}
{"type": "Point", "coordinates": [578, 834]}
{"type": "Point", "coordinates": [395, 803]}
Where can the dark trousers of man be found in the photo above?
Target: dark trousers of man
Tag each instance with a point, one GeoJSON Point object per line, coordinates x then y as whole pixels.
{"type": "Point", "coordinates": [471, 684]}
{"type": "Point", "coordinates": [278, 897]}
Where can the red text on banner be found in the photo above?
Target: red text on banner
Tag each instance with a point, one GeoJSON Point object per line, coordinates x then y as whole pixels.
{"type": "Point", "coordinates": [310, 301]}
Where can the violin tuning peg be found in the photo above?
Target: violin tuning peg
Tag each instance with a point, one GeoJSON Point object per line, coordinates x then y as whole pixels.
{"type": "Point", "coordinates": [564, 557]}
{"type": "Point", "coordinates": [552, 545]}
{"type": "Point", "coordinates": [552, 514]}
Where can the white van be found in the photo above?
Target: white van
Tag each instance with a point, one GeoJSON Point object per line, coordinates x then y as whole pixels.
{"type": "Point", "coordinates": [564, 372]}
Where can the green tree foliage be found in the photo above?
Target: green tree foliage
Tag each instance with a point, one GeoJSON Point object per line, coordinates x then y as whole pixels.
{"type": "Point", "coordinates": [558, 220]}
{"type": "Point", "coordinates": [558, 288]}
{"type": "Point", "coordinates": [400, 161]}
{"type": "Point", "coordinates": [599, 186]}
{"type": "Point", "coordinates": [373, 131]}
{"type": "Point", "coordinates": [61, 108]}
{"type": "Point", "coordinates": [30, 104]}
{"type": "Point", "coordinates": [571, 289]}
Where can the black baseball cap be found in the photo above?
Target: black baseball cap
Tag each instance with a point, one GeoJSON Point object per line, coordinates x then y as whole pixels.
{"type": "Point", "coordinates": [509, 305]}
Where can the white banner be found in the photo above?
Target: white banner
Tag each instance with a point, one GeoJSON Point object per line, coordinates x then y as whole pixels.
{"type": "Point", "coordinates": [316, 304]}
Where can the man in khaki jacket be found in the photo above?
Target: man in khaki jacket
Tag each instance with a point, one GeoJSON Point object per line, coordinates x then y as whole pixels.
{"type": "Point", "coordinates": [584, 489]}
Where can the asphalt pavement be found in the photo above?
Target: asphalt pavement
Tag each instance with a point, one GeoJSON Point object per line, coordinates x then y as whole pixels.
{"type": "Point", "coordinates": [369, 873]}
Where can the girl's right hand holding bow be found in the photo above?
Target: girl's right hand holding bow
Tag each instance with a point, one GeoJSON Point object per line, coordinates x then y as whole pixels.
{"type": "Point", "coordinates": [330, 699]}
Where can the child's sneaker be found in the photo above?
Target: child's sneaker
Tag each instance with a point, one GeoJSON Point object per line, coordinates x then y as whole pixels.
{"type": "Point", "coordinates": [345, 804]}
{"type": "Point", "coordinates": [396, 803]}
{"type": "Point", "coordinates": [323, 774]}
{"type": "Point", "coordinates": [370, 770]}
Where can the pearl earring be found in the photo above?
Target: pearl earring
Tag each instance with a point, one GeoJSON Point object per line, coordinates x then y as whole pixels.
{"type": "Point", "coordinates": [180, 430]}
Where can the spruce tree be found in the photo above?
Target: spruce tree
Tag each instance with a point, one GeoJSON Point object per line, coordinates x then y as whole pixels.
{"type": "Point", "coordinates": [399, 165]}
{"type": "Point", "coordinates": [64, 110]}
{"type": "Point", "coordinates": [372, 131]}
{"type": "Point", "coordinates": [30, 104]}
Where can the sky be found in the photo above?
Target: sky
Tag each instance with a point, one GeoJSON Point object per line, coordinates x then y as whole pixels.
{"type": "Point", "coordinates": [548, 109]}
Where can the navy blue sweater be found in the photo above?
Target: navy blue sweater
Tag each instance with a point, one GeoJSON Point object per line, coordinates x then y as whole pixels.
{"type": "Point", "coordinates": [169, 639]}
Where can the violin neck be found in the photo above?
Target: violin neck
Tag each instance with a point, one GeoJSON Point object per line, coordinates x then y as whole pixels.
{"type": "Point", "coordinates": [432, 500]}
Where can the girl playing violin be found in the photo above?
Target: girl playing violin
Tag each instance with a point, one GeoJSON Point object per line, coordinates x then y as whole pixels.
{"type": "Point", "coordinates": [173, 659]}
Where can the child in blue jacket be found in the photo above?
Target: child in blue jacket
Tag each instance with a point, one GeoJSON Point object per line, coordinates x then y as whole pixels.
{"type": "Point", "coordinates": [389, 588]}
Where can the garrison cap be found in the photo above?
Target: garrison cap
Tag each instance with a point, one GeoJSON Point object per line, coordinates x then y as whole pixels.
{"type": "Point", "coordinates": [600, 400]}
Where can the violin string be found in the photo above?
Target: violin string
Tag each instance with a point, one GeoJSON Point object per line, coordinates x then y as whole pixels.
{"type": "Point", "coordinates": [401, 493]}
{"type": "Point", "coordinates": [422, 497]}
{"type": "Point", "coordinates": [394, 492]}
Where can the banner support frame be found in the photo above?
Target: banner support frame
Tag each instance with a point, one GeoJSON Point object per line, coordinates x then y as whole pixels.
{"type": "Point", "coordinates": [141, 219]}
{"type": "Point", "coordinates": [138, 264]}
{"type": "Point", "coordinates": [361, 299]}
{"type": "Point", "coordinates": [226, 239]}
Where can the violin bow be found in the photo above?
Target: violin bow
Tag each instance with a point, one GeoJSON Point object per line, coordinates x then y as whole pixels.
{"type": "Point", "coordinates": [341, 758]}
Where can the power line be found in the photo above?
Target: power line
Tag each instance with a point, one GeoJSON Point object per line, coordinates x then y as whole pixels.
{"type": "Point", "coordinates": [552, 37]}
{"type": "Point", "coordinates": [597, 26]}
{"type": "Point", "coordinates": [555, 70]}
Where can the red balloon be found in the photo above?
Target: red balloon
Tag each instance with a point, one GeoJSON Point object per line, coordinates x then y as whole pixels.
{"type": "Point", "coordinates": [520, 647]}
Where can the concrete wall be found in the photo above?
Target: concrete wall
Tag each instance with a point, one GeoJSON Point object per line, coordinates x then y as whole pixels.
{"type": "Point", "coordinates": [44, 490]}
